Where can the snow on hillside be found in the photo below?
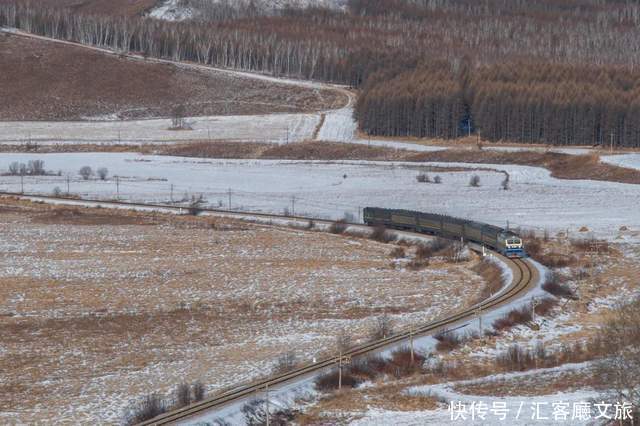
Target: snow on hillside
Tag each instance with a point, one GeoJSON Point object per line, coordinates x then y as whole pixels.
{"type": "Point", "coordinates": [331, 189]}
{"type": "Point", "coordinates": [177, 10]}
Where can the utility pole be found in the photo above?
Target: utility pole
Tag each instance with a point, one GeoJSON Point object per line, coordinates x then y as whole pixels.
{"type": "Point", "coordinates": [117, 187]}
{"type": "Point", "coordinates": [171, 196]}
{"type": "Point", "coordinates": [287, 135]}
{"type": "Point", "coordinates": [411, 343]}
{"type": "Point", "coordinates": [293, 205]}
{"type": "Point", "coordinates": [534, 303]}
{"type": "Point", "coordinates": [229, 193]}
{"type": "Point", "coordinates": [68, 181]}
{"type": "Point", "coordinates": [267, 402]}
{"type": "Point", "coordinates": [22, 183]}
{"type": "Point", "coordinates": [479, 314]}
{"type": "Point", "coordinates": [611, 146]}
{"type": "Point", "coordinates": [340, 371]}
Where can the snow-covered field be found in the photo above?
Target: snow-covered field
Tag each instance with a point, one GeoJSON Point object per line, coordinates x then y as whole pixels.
{"type": "Point", "coordinates": [331, 189]}
{"type": "Point", "coordinates": [102, 307]}
{"type": "Point", "coordinates": [257, 128]}
{"type": "Point", "coordinates": [631, 161]}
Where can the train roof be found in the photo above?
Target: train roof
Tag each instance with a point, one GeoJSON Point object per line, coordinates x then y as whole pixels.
{"type": "Point", "coordinates": [494, 228]}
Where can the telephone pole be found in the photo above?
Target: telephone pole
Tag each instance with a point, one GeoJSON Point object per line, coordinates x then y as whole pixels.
{"type": "Point", "coordinates": [411, 343]}
{"type": "Point", "coordinates": [68, 181]}
{"type": "Point", "coordinates": [229, 194]}
{"type": "Point", "coordinates": [22, 183]}
{"type": "Point", "coordinates": [171, 196]}
{"type": "Point", "coordinates": [293, 205]}
{"type": "Point", "coordinates": [611, 145]}
{"type": "Point", "coordinates": [267, 402]}
{"type": "Point", "coordinates": [117, 187]}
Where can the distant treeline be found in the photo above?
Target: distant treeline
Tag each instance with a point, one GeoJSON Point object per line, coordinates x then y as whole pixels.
{"type": "Point", "coordinates": [531, 71]}
{"type": "Point", "coordinates": [520, 101]}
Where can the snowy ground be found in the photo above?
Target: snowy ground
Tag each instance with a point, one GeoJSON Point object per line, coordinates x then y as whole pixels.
{"type": "Point", "coordinates": [220, 313]}
{"type": "Point", "coordinates": [331, 189]}
{"type": "Point", "coordinates": [278, 128]}
{"type": "Point", "coordinates": [631, 161]}
{"type": "Point", "coordinates": [172, 10]}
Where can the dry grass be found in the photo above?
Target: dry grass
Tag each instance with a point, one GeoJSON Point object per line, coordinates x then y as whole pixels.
{"type": "Point", "coordinates": [51, 81]}
{"type": "Point", "coordinates": [148, 301]}
{"type": "Point", "coordinates": [493, 278]}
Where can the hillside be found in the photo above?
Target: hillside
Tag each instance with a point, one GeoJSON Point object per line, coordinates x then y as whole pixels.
{"type": "Point", "coordinates": [52, 81]}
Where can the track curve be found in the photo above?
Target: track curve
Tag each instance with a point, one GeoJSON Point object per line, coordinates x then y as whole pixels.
{"type": "Point", "coordinates": [525, 276]}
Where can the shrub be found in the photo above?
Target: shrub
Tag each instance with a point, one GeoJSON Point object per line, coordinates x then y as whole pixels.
{"type": "Point", "coordinates": [555, 286]}
{"type": "Point", "coordinates": [103, 172]}
{"type": "Point", "coordinates": [437, 179]}
{"type": "Point", "coordinates": [36, 167]}
{"type": "Point", "coordinates": [381, 235]}
{"type": "Point", "coordinates": [338, 227]}
{"type": "Point", "coordinates": [516, 359]}
{"type": "Point", "coordinates": [150, 407]}
{"type": "Point", "coordinates": [474, 181]}
{"type": "Point", "coordinates": [397, 253]}
{"type": "Point", "coordinates": [199, 391]}
{"type": "Point", "coordinates": [514, 317]}
{"type": "Point", "coordinates": [56, 191]}
{"type": "Point", "coordinates": [182, 395]}
{"type": "Point", "coordinates": [285, 363]}
{"type": "Point", "coordinates": [329, 381]}
{"type": "Point", "coordinates": [382, 328]}
{"type": "Point", "coordinates": [423, 178]}
{"type": "Point", "coordinates": [86, 172]}
{"type": "Point", "coordinates": [447, 341]}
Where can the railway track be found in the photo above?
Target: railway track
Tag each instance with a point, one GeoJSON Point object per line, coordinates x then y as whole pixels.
{"type": "Point", "coordinates": [524, 277]}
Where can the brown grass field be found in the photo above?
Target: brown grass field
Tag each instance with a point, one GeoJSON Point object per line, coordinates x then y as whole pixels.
{"type": "Point", "coordinates": [100, 306]}
{"type": "Point", "coordinates": [41, 80]}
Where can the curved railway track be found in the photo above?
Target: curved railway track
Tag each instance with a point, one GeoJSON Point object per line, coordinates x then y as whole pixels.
{"type": "Point", "coordinates": [524, 277]}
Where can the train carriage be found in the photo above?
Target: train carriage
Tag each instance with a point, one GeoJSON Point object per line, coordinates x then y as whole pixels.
{"type": "Point", "coordinates": [494, 237]}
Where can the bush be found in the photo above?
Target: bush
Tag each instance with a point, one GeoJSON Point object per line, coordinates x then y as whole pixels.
{"type": "Point", "coordinates": [516, 359]}
{"type": "Point", "coordinates": [285, 363]}
{"type": "Point", "coordinates": [474, 181]}
{"type": "Point", "coordinates": [382, 328]}
{"type": "Point", "coordinates": [150, 407]}
{"type": "Point", "coordinates": [56, 191]}
{"type": "Point", "coordinates": [437, 179]}
{"type": "Point", "coordinates": [514, 317]}
{"type": "Point", "coordinates": [86, 172]}
{"type": "Point", "coordinates": [338, 227]}
{"type": "Point", "coordinates": [447, 341]}
{"type": "Point", "coordinates": [397, 253]}
{"type": "Point", "coordinates": [423, 178]}
{"type": "Point", "coordinates": [381, 235]}
{"type": "Point", "coordinates": [555, 286]}
{"type": "Point", "coordinates": [103, 172]}
{"type": "Point", "coordinates": [182, 395]}
{"type": "Point", "coordinates": [329, 381]}
{"type": "Point", "coordinates": [199, 391]}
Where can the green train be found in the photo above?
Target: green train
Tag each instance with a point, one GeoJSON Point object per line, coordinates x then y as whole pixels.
{"type": "Point", "coordinates": [494, 237]}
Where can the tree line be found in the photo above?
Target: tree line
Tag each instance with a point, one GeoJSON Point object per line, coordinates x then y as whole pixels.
{"type": "Point", "coordinates": [521, 101]}
{"type": "Point", "coordinates": [394, 49]}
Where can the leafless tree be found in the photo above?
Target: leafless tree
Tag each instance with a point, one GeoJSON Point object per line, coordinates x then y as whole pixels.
{"type": "Point", "coordinates": [86, 172]}
{"type": "Point", "coordinates": [474, 181]}
{"type": "Point", "coordinates": [103, 172]}
{"type": "Point", "coordinates": [621, 368]}
{"type": "Point", "coordinates": [382, 328]}
{"type": "Point", "coordinates": [36, 167]}
{"type": "Point", "coordinates": [183, 395]}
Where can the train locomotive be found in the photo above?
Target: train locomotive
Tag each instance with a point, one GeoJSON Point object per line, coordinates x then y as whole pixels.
{"type": "Point", "coordinates": [501, 240]}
